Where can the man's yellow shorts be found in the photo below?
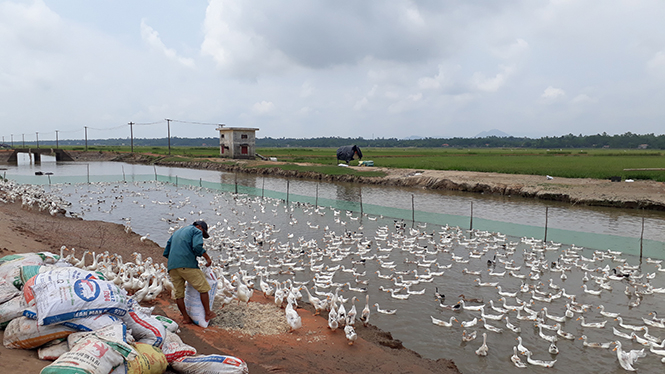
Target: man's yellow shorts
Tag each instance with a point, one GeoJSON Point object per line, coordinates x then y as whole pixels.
{"type": "Point", "coordinates": [194, 276]}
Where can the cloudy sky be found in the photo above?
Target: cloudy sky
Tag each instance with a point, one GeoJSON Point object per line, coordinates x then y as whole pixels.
{"type": "Point", "coordinates": [307, 68]}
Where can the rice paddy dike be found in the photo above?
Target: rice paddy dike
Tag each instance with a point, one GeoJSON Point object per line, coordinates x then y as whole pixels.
{"type": "Point", "coordinates": [638, 194]}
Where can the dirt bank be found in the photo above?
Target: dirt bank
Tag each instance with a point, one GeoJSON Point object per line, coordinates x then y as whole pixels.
{"type": "Point", "coordinates": [639, 194]}
{"type": "Point", "coordinates": [313, 348]}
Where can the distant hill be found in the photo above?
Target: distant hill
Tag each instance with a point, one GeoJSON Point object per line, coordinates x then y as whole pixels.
{"type": "Point", "coordinates": [413, 137]}
{"type": "Point", "coordinates": [493, 132]}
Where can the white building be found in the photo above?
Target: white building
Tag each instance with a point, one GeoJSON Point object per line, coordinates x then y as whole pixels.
{"type": "Point", "coordinates": [237, 142]}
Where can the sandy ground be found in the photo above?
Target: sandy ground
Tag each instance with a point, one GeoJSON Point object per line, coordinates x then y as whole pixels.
{"type": "Point", "coordinates": [313, 348]}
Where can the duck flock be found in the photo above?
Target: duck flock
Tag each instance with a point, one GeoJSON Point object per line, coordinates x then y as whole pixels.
{"type": "Point", "coordinates": [490, 301]}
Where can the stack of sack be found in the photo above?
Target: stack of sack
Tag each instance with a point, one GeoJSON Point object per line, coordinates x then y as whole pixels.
{"type": "Point", "coordinates": [88, 325]}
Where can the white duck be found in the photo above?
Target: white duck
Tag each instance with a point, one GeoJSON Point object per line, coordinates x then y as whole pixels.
{"type": "Point", "coordinates": [352, 313]}
{"type": "Point", "coordinates": [244, 293]}
{"type": "Point", "coordinates": [595, 345]}
{"type": "Point", "coordinates": [468, 337]}
{"type": "Point", "coordinates": [350, 334]}
{"type": "Point", "coordinates": [439, 322]}
{"type": "Point", "coordinates": [292, 317]}
{"type": "Point", "coordinates": [482, 351]}
{"type": "Point", "coordinates": [547, 364]}
{"type": "Point", "coordinates": [598, 325]}
{"type": "Point", "coordinates": [332, 318]}
{"type": "Point", "coordinates": [316, 302]}
{"type": "Point", "coordinates": [553, 349]}
{"type": "Point", "coordinates": [521, 348]}
{"type": "Point", "coordinates": [384, 311]}
{"type": "Point", "coordinates": [516, 359]}
{"type": "Point", "coordinates": [625, 359]}
{"type": "Point", "coordinates": [607, 314]}
{"type": "Point", "coordinates": [364, 316]}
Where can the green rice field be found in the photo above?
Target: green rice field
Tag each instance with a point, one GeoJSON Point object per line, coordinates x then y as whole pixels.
{"type": "Point", "coordinates": [578, 163]}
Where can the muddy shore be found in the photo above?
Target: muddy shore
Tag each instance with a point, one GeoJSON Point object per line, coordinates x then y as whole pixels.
{"type": "Point", "coordinates": [312, 348]}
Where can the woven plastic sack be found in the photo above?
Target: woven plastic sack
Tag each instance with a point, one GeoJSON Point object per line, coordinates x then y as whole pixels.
{"type": "Point", "coordinates": [92, 323]}
{"type": "Point", "coordinates": [89, 356]}
{"type": "Point", "coordinates": [67, 299]}
{"type": "Point", "coordinates": [10, 270]}
{"type": "Point", "coordinates": [7, 291]}
{"type": "Point", "coordinates": [12, 309]}
{"type": "Point", "coordinates": [168, 323]}
{"type": "Point", "coordinates": [50, 274]}
{"type": "Point", "coordinates": [193, 303]}
{"type": "Point", "coordinates": [25, 333]}
{"type": "Point", "coordinates": [174, 348]}
{"type": "Point", "coordinates": [150, 360]}
{"type": "Point", "coordinates": [53, 349]}
{"type": "Point", "coordinates": [211, 364]}
{"type": "Point", "coordinates": [145, 328]}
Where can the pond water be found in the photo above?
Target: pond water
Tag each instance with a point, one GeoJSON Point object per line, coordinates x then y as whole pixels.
{"type": "Point", "coordinates": [156, 199]}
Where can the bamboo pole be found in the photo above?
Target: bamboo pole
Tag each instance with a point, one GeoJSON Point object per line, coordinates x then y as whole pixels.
{"type": "Point", "coordinates": [641, 238]}
{"type": "Point", "coordinates": [546, 217]}
{"type": "Point", "coordinates": [287, 193]}
{"type": "Point", "coordinates": [471, 218]}
{"type": "Point", "coordinates": [413, 210]}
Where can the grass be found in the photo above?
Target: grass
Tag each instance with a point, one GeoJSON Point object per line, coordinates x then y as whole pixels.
{"type": "Point", "coordinates": [570, 163]}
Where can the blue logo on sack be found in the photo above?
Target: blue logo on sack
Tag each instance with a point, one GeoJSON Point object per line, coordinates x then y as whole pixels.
{"type": "Point", "coordinates": [86, 289]}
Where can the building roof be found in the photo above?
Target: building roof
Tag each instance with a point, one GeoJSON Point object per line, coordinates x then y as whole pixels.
{"type": "Point", "coordinates": [237, 129]}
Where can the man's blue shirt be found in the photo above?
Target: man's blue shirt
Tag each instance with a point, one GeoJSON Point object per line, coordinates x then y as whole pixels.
{"type": "Point", "coordinates": [183, 247]}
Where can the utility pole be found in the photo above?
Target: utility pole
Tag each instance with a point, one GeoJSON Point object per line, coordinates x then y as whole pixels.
{"type": "Point", "coordinates": [37, 137]}
{"type": "Point", "coordinates": [131, 134]}
{"type": "Point", "coordinates": [12, 137]}
{"type": "Point", "coordinates": [23, 140]}
{"type": "Point", "coordinates": [168, 126]}
{"type": "Point", "coordinates": [86, 137]}
{"type": "Point", "coordinates": [56, 139]}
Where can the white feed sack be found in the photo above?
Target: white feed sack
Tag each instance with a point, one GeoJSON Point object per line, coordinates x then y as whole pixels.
{"type": "Point", "coordinates": [7, 291]}
{"type": "Point", "coordinates": [174, 348]}
{"type": "Point", "coordinates": [193, 303]}
{"type": "Point", "coordinates": [145, 328]}
{"type": "Point", "coordinates": [12, 309]}
{"type": "Point", "coordinates": [90, 356]}
{"type": "Point", "coordinates": [25, 333]}
{"type": "Point", "coordinates": [52, 350]}
{"type": "Point", "coordinates": [50, 274]}
{"type": "Point", "coordinates": [217, 364]}
{"type": "Point", "coordinates": [67, 299]}
{"type": "Point", "coordinates": [10, 269]}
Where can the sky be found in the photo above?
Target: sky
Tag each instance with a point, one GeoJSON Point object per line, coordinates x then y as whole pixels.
{"type": "Point", "coordinates": [343, 68]}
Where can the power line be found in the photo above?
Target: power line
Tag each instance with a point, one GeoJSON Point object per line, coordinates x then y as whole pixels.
{"type": "Point", "coordinates": [197, 123]}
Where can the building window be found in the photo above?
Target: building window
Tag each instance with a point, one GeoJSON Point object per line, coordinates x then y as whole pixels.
{"type": "Point", "coordinates": [244, 150]}
{"type": "Point", "coordinates": [243, 136]}
{"type": "Point", "coordinates": [221, 136]}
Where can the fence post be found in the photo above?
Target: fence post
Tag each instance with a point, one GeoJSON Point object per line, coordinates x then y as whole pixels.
{"type": "Point", "coordinates": [287, 193]}
{"type": "Point", "coordinates": [361, 200]}
{"type": "Point", "coordinates": [155, 169]}
{"type": "Point", "coordinates": [316, 202]}
{"type": "Point", "coordinates": [413, 210]}
{"type": "Point", "coordinates": [236, 181]}
{"type": "Point", "coordinates": [200, 182]}
{"type": "Point", "coordinates": [88, 173]}
{"type": "Point", "coordinates": [471, 218]}
{"type": "Point", "coordinates": [263, 186]}
{"type": "Point", "coordinates": [546, 216]}
{"type": "Point", "coordinates": [641, 239]}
